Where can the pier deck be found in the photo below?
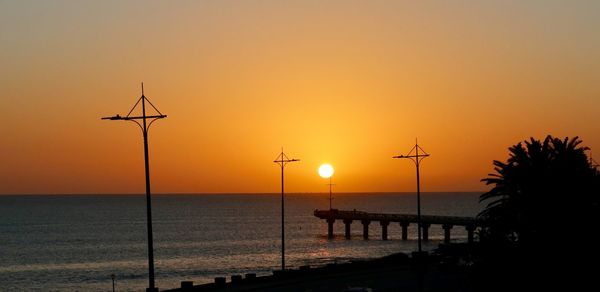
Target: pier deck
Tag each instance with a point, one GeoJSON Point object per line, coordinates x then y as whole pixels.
{"type": "Point", "coordinates": [404, 220]}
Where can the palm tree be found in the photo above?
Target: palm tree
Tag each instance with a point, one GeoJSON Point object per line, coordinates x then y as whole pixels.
{"type": "Point", "coordinates": [543, 186]}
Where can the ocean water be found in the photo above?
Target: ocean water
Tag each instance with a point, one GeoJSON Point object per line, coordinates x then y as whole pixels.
{"type": "Point", "coordinates": [74, 243]}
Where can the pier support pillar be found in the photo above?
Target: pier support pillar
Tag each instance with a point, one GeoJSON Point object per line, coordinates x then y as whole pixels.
{"type": "Point", "coordinates": [384, 229]}
{"type": "Point", "coordinates": [425, 227]}
{"type": "Point", "coordinates": [347, 223]}
{"type": "Point", "coordinates": [447, 228]}
{"type": "Point", "coordinates": [470, 232]}
{"type": "Point", "coordinates": [330, 222]}
{"type": "Point", "coordinates": [365, 224]}
{"type": "Point", "coordinates": [404, 226]}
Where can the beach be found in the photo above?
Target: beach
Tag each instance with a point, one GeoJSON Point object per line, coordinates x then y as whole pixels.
{"type": "Point", "coordinates": [397, 272]}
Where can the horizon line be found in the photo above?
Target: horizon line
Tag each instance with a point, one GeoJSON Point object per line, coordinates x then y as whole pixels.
{"type": "Point", "coordinates": [227, 193]}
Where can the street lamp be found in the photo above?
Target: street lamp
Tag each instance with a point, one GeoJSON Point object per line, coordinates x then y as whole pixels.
{"type": "Point", "coordinates": [112, 276]}
{"type": "Point", "coordinates": [416, 157]}
{"type": "Point", "coordinates": [282, 160]}
{"type": "Point", "coordinates": [326, 171]}
{"type": "Point", "coordinates": [144, 126]}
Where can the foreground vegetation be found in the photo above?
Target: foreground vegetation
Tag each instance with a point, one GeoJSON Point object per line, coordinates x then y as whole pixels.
{"type": "Point", "coordinates": [542, 218]}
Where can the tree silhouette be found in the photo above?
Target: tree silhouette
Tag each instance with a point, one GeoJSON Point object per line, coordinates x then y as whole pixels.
{"type": "Point", "coordinates": [542, 209]}
{"type": "Point", "coordinates": [543, 185]}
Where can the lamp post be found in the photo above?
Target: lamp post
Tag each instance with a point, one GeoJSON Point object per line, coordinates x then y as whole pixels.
{"type": "Point", "coordinates": [144, 126]}
{"type": "Point", "coordinates": [282, 160]}
{"type": "Point", "coordinates": [416, 157]}
{"type": "Point", "coordinates": [330, 195]}
{"type": "Point", "coordinates": [326, 171]}
{"type": "Point", "coordinates": [112, 276]}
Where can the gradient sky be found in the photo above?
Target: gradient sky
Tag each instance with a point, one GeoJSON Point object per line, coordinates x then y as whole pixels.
{"type": "Point", "coordinates": [351, 83]}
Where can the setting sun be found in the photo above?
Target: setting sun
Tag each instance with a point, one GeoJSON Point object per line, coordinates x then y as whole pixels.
{"type": "Point", "coordinates": [325, 170]}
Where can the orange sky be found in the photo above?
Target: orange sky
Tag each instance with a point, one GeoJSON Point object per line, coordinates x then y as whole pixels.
{"type": "Point", "coordinates": [351, 83]}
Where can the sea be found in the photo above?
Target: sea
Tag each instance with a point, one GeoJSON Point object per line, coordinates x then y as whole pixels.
{"type": "Point", "coordinates": [77, 242]}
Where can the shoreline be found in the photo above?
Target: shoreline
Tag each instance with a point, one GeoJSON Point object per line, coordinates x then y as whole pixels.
{"type": "Point", "coordinates": [442, 270]}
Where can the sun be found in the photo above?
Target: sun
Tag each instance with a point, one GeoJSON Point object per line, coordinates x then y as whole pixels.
{"type": "Point", "coordinates": [326, 170]}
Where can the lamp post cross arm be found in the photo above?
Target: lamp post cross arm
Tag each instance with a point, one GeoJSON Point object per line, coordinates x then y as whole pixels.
{"type": "Point", "coordinates": [118, 117]}
{"type": "Point", "coordinates": [282, 159]}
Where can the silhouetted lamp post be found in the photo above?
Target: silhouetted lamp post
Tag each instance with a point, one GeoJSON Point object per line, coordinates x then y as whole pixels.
{"type": "Point", "coordinates": [282, 160]}
{"type": "Point", "coordinates": [326, 171]}
{"type": "Point", "coordinates": [416, 157]}
{"type": "Point", "coordinates": [144, 126]}
{"type": "Point", "coordinates": [112, 276]}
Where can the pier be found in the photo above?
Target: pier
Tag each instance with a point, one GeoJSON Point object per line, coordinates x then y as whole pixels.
{"type": "Point", "coordinates": [365, 218]}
